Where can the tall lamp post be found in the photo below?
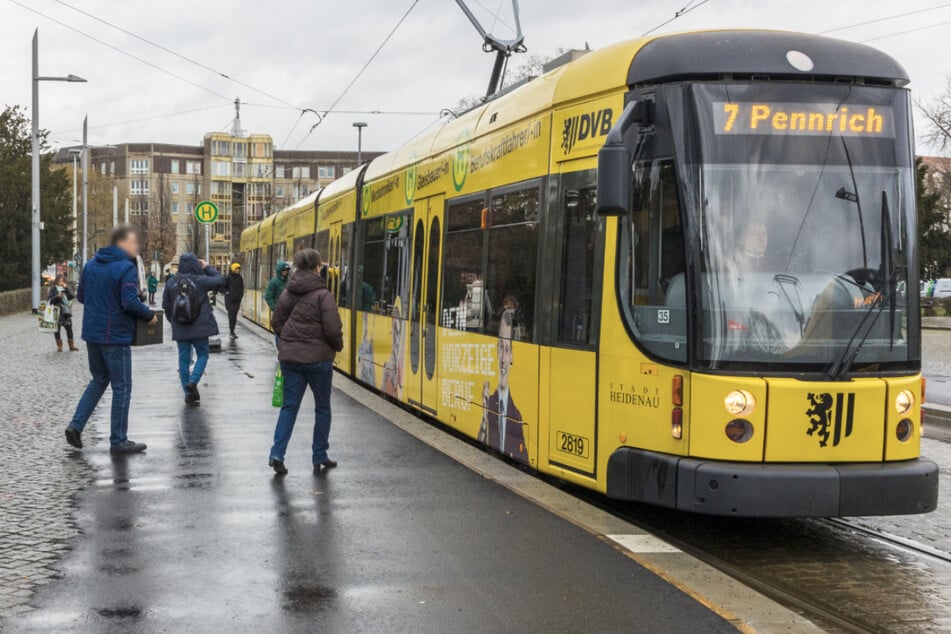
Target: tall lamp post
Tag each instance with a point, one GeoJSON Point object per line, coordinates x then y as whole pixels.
{"type": "Point", "coordinates": [36, 165]}
{"type": "Point", "coordinates": [75, 153]}
{"type": "Point", "coordinates": [359, 125]}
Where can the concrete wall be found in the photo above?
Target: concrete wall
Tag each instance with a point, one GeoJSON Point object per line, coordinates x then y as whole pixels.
{"type": "Point", "coordinates": [14, 301]}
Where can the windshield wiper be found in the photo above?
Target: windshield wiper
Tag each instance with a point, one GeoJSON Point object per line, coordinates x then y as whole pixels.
{"type": "Point", "coordinates": [843, 363]}
{"type": "Point", "coordinates": [888, 265]}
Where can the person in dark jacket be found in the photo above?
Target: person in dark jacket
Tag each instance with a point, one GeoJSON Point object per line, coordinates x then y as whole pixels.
{"type": "Point", "coordinates": [275, 287]}
{"type": "Point", "coordinates": [193, 336]}
{"type": "Point", "coordinates": [153, 288]}
{"type": "Point", "coordinates": [61, 296]}
{"type": "Point", "coordinates": [234, 293]}
{"type": "Point", "coordinates": [109, 290]}
{"type": "Point", "coordinates": [277, 284]}
{"type": "Point", "coordinates": [311, 334]}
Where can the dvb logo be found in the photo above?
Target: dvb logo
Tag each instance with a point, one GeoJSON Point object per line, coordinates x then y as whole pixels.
{"type": "Point", "coordinates": [586, 126]}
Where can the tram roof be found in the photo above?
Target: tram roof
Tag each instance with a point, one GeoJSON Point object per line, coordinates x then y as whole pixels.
{"type": "Point", "coordinates": [692, 55]}
{"type": "Point", "coordinates": [745, 53]}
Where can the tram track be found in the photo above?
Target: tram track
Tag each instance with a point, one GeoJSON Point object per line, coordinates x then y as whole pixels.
{"type": "Point", "coordinates": [700, 537]}
{"type": "Point", "coordinates": [893, 541]}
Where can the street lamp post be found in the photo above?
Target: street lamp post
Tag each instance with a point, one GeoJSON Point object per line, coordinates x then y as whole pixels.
{"type": "Point", "coordinates": [36, 166]}
{"type": "Point", "coordinates": [85, 189]}
{"type": "Point", "coordinates": [75, 153]}
{"type": "Point", "coordinates": [359, 125]}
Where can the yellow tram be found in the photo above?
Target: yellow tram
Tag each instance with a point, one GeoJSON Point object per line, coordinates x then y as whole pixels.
{"type": "Point", "coordinates": [675, 270]}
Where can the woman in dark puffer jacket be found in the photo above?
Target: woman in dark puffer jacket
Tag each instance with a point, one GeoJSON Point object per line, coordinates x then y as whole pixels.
{"type": "Point", "coordinates": [311, 333]}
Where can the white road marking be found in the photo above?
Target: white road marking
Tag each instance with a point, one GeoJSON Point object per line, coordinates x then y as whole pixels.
{"type": "Point", "coordinates": [643, 543]}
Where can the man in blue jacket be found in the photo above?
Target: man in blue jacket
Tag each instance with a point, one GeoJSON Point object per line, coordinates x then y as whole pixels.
{"type": "Point", "coordinates": [193, 334]}
{"type": "Point", "coordinates": [109, 291]}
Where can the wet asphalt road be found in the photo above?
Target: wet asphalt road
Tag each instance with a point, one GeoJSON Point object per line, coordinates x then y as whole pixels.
{"type": "Point", "coordinates": [196, 535]}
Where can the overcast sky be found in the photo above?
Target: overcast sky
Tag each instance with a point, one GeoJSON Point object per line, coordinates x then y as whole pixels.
{"type": "Point", "coordinates": [304, 52]}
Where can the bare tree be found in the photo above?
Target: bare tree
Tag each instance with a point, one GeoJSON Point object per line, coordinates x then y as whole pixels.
{"type": "Point", "coordinates": [938, 113]}
{"type": "Point", "coordinates": [527, 67]}
{"type": "Point", "coordinates": [158, 225]}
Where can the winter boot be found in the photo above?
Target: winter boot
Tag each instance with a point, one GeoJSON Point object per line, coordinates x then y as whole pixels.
{"type": "Point", "coordinates": [72, 346]}
{"type": "Point", "coordinates": [59, 345]}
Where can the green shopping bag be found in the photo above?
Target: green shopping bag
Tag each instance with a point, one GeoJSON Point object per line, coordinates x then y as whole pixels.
{"type": "Point", "coordinates": [277, 398]}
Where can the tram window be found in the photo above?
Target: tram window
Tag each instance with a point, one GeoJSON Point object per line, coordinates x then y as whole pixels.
{"type": "Point", "coordinates": [386, 253]}
{"type": "Point", "coordinates": [266, 270]}
{"type": "Point", "coordinates": [251, 275]}
{"type": "Point", "coordinates": [512, 247]}
{"type": "Point", "coordinates": [303, 242]}
{"type": "Point", "coordinates": [463, 305]}
{"type": "Point", "coordinates": [323, 244]}
{"type": "Point", "coordinates": [344, 265]}
{"type": "Point", "coordinates": [395, 294]}
{"type": "Point", "coordinates": [657, 290]}
{"type": "Point", "coordinates": [577, 277]}
{"type": "Point", "coordinates": [368, 294]}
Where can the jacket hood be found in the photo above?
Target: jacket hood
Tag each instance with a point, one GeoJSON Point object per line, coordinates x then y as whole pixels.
{"type": "Point", "coordinates": [303, 282]}
{"type": "Point", "coordinates": [188, 263]}
{"type": "Point", "coordinates": [281, 266]}
{"type": "Point", "coordinates": [111, 254]}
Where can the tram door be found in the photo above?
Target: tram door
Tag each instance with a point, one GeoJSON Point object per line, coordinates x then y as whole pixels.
{"type": "Point", "coordinates": [337, 261]}
{"type": "Point", "coordinates": [422, 388]}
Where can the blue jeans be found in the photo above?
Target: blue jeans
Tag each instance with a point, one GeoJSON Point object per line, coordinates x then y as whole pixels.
{"type": "Point", "coordinates": [108, 364]}
{"type": "Point", "coordinates": [186, 372]}
{"type": "Point", "coordinates": [319, 376]}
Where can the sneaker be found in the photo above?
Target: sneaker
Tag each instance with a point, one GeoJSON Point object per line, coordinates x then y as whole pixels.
{"type": "Point", "coordinates": [74, 438]}
{"type": "Point", "coordinates": [128, 447]}
{"type": "Point", "coordinates": [233, 336]}
{"type": "Point", "coordinates": [278, 466]}
{"type": "Point", "coordinates": [192, 397]}
{"type": "Point", "coordinates": [326, 464]}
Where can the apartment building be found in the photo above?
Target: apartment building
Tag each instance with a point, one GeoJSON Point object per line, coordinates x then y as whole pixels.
{"type": "Point", "coordinates": [161, 184]}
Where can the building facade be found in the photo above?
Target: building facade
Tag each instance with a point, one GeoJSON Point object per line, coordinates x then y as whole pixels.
{"type": "Point", "coordinates": [160, 184]}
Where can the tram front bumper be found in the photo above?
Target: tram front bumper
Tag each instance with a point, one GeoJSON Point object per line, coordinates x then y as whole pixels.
{"type": "Point", "coordinates": [773, 489]}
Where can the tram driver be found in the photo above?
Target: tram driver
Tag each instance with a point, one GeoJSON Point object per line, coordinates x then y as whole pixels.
{"type": "Point", "coordinates": [754, 239]}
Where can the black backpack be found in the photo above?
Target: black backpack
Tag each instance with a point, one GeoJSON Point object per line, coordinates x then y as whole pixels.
{"type": "Point", "coordinates": [186, 300]}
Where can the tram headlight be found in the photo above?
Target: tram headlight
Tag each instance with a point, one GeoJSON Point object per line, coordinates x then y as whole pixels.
{"type": "Point", "coordinates": [739, 430]}
{"type": "Point", "coordinates": [904, 402]}
{"type": "Point", "coordinates": [740, 403]}
{"type": "Point", "coordinates": [904, 429]}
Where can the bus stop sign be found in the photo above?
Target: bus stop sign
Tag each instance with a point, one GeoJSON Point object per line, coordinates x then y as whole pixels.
{"type": "Point", "coordinates": [206, 212]}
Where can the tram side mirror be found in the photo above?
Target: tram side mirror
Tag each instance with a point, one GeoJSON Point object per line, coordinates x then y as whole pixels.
{"type": "Point", "coordinates": [615, 177]}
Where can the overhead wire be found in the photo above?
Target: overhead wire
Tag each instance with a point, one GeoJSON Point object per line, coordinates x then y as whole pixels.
{"type": "Point", "coordinates": [412, 113]}
{"type": "Point", "coordinates": [884, 19]}
{"type": "Point", "coordinates": [150, 118]}
{"type": "Point", "coordinates": [690, 6]}
{"type": "Point", "coordinates": [896, 34]}
{"type": "Point", "coordinates": [119, 50]}
{"type": "Point", "coordinates": [180, 56]}
{"type": "Point", "coordinates": [495, 16]}
{"type": "Point", "coordinates": [359, 73]}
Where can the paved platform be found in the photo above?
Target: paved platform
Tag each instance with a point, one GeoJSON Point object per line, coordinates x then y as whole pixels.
{"type": "Point", "coordinates": [196, 534]}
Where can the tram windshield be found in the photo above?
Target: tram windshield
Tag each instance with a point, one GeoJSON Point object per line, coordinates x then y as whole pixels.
{"type": "Point", "coordinates": [804, 201]}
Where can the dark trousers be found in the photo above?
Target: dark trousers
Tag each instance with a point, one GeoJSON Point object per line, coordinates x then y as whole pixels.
{"type": "Point", "coordinates": [151, 297]}
{"type": "Point", "coordinates": [68, 325]}
{"type": "Point", "coordinates": [297, 378]}
{"type": "Point", "coordinates": [232, 318]}
{"type": "Point", "coordinates": [108, 365]}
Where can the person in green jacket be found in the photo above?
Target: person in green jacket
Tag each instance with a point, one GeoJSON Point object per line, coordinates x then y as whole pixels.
{"type": "Point", "coordinates": [275, 287]}
{"type": "Point", "coordinates": [153, 287]}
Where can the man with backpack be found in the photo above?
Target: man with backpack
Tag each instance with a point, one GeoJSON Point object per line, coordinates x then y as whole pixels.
{"type": "Point", "coordinates": [189, 312]}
